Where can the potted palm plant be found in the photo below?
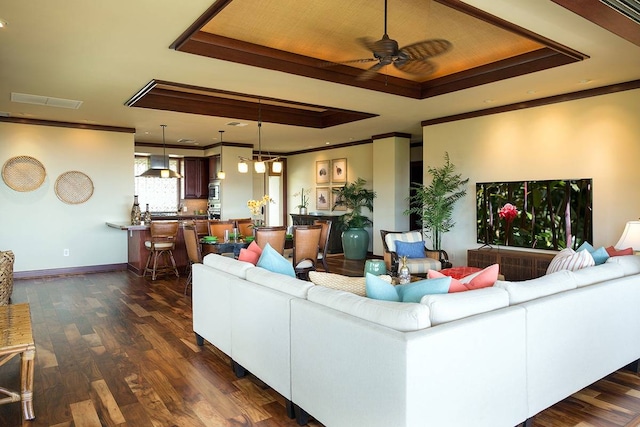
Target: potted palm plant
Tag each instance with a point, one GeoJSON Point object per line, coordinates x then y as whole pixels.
{"type": "Point", "coordinates": [353, 196]}
{"type": "Point", "coordinates": [434, 203]}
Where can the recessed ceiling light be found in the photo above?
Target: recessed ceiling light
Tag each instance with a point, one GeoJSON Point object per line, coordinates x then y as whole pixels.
{"type": "Point", "coordinates": [327, 143]}
{"type": "Point", "coordinates": [186, 141]}
{"type": "Point", "coordinates": [489, 101]}
{"type": "Point", "coordinates": [237, 124]}
{"type": "Point", "coordinates": [584, 81]}
{"type": "Point", "coordinates": [3, 23]}
{"type": "Point", "coordinates": [532, 91]}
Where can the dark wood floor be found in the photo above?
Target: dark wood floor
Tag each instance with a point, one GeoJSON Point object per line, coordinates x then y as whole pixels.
{"type": "Point", "coordinates": [114, 349]}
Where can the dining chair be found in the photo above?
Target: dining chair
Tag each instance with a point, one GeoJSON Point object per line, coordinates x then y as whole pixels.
{"type": "Point", "coordinates": [244, 226]}
{"type": "Point", "coordinates": [202, 227]}
{"type": "Point", "coordinates": [324, 241]}
{"type": "Point", "coordinates": [217, 228]}
{"type": "Point", "coordinates": [275, 236]}
{"type": "Point", "coordinates": [306, 244]}
{"type": "Point", "coordinates": [194, 253]}
{"type": "Point", "coordinates": [161, 245]}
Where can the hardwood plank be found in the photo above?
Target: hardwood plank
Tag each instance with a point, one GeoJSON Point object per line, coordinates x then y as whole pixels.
{"type": "Point", "coordinates": [115, 349]}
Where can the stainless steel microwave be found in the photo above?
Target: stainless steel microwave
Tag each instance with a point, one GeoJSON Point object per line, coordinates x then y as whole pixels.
{"type": "Point", "coordinates": [214, 191]}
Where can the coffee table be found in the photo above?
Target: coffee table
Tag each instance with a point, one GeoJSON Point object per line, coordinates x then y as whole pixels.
{"type": "Point", "coordinates": [16, 338]}
{"type": "Point", "coordinates": [223, 247]}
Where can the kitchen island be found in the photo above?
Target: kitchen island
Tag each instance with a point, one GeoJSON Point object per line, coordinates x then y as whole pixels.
{"type": "Point", "coordinates": [138, 253]}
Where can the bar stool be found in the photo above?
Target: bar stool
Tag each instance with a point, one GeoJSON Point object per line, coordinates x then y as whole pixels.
{"type": "Point", "coordinates": [161, 245]}
{"type": "Point", "coordinates": [191, 242]}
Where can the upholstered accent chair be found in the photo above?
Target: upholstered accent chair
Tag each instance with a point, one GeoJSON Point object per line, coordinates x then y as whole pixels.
{"type": "Point", "coordinates": [417, 266]}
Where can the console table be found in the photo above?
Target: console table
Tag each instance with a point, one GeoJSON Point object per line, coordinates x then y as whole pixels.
{"type": "Point", "coordinates": [335, 236]}
{"type": "Point", "coordinates": [514, 265]}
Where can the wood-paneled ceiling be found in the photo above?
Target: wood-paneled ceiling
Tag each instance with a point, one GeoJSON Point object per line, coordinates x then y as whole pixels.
{"type": "Point", "coordinates": [197, 66]}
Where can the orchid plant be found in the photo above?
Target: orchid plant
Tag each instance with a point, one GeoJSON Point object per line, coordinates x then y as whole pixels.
{"type": "Point", "coordinates": [304, 197]}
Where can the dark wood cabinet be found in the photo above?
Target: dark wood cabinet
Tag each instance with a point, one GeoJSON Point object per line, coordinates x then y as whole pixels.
{"type": "Point", "coordinates": [213, 168]}
{"type": "Point", "coordinates": [335, 236]}
{"type": "Point", "coordinates": [196, 177]}
{"type": "Point", "coordinates": [514, 265]}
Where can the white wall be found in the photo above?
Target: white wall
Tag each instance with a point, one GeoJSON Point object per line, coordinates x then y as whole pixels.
{"type": "Point", "coordinates": [37, 226]}
{"type": "Point", "coordinates": [597, 137]}
{"type": "Point", "coordinates": [301, 174]}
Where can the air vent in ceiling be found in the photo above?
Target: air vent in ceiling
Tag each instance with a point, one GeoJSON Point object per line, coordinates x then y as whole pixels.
{"type": "Point", "coordinates": [237, 124]}
{"type": "Point", "coordinates": [629, 8]}
{"type": "Point", "coordinates": [186, 141]}
{"type": "Point", "coordinates": [49, 101]}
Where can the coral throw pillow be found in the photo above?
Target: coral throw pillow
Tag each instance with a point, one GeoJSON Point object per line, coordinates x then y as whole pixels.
{"type": "Point", "coordinates": [251, 253]}
{"type": "Point", "coordinates": [248, 256]}
{"type": "Point", "coordinates": [619, 252]}
{"type": "Point", "coordinates": [481, 279]}
{"type": "Point", "coordinates": [455, 286]}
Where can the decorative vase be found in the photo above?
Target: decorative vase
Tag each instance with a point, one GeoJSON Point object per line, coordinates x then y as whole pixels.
{"type": "Point", "coordinates": [404, 275]}
{"type": "Point", "coordinates": [147, 215]}
{"type": "Point", "coordinates": [135, 212]}
{"type": "Point", "coordinates": [355, 242]}
{"type": "Point", "coordinates": [303, 210]}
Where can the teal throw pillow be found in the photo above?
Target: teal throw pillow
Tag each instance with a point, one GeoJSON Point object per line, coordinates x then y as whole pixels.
{"type": "Point", "coordinates": [376, 288]}
{"type": "Point", "coordinates": [600, 255]}
{"type": "Point", "coordinates": [410, 249]}
{"type": "Point", "coordinates": [271, 260]}
{"type": "Point", "coordinates": [414, 291]}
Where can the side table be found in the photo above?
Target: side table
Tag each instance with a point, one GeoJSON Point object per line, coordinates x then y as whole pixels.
{"type": "Point", "coordinates": [16, 338]}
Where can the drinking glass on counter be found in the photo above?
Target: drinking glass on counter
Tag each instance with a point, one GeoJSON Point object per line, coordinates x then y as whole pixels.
{"type": "Point", "coordinates": [226, 236]}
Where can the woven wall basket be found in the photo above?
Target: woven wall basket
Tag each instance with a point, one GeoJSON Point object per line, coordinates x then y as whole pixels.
{"type": "Point", "coordinates": [6, 276]}
{"type": "Point", "coordinates": [23, 173]}
{"type": "Point", "coordinates": [74, 187]}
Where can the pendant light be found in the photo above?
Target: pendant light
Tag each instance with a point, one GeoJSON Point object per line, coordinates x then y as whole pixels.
{"type": "Point", "coordinates": [221, 174]}
{"type": "Point", "coordinates": [259, 166]}
{"type": "Point", "coordinates": [164, 172]}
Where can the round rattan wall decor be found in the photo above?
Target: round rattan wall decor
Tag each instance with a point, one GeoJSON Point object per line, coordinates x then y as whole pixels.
{"type": "Point", "coordinates": [23, 173]}
{"type": "Point", "coordinates": [74, 187]}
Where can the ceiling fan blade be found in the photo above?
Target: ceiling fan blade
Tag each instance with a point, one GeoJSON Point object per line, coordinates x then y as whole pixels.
{"type": "Point", "coordinates": [352, 61]}
{"type": "Point", "coordinates": [417, 67]}
{"type": "Point", "coordinates": [370, 72]}
{"type": "Point", "coordinates": [427, 48]}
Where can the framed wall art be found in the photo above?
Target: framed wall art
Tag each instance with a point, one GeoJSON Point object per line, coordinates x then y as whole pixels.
{"type": "Point", "coordinates": [335, 198]}
{"type": "Point", "coordinates": [323, 198]}
{"type": "Point", "coordinates": [339, 170]}
{"type": "Point", "coordinates": [322, 172]}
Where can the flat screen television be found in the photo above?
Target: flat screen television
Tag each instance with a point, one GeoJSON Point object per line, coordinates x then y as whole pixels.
{"type": "Point", "coordinates": [548, 214]}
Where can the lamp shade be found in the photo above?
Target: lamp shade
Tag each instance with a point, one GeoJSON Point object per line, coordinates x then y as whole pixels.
{"type": "Point", "coordinates": [243, 167]}
{"type": "Point", "coordinates": [630, 237]}
{"type": "Point", "coordinates": [259, 167]}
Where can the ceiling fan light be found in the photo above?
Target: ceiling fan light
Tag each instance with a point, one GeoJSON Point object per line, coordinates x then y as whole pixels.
{"type": "Point", "coordinates": [243, 167]}
{"type": "Point", "coordinates": [260, 167]}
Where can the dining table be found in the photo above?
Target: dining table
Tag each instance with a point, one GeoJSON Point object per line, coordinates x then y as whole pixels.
{"type": "Point", "coordinates": [220, 246]}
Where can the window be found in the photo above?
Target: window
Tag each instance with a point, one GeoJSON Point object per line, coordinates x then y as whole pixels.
{"type": "Point", "coordinates": [162, 194]}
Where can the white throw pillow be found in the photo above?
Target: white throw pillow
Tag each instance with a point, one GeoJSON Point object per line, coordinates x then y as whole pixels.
{"type": "Point", "coordinates": [568, 259]}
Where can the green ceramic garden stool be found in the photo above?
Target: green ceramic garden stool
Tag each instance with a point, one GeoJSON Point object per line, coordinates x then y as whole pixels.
{"type": "Point", "coordinates": [375, 266]}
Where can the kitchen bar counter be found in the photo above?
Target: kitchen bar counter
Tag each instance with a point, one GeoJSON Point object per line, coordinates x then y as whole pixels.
{"type": "Point", "coordinates": [137, 253]}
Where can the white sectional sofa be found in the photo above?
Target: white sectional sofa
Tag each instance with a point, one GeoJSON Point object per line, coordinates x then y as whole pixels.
{"type": "Point", "coordinates": [488, 357]}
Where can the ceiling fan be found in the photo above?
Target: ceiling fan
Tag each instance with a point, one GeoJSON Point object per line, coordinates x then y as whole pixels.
{"type": "Point", "coordinates": [411, 59]}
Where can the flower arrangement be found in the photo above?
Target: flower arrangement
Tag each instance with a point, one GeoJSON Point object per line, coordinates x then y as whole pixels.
{"type": "Point", "coordinates": [255, 206]}
{"type": "Point", "coordinates": [304, 197]}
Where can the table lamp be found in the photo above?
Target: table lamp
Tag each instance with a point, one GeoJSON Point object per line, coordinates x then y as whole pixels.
{"type": "Point", "coordinates": [630, 237]}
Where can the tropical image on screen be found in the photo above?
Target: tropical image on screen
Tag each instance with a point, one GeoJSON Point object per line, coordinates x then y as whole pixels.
{"type": "Point", "coordinates": [549, 214]}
